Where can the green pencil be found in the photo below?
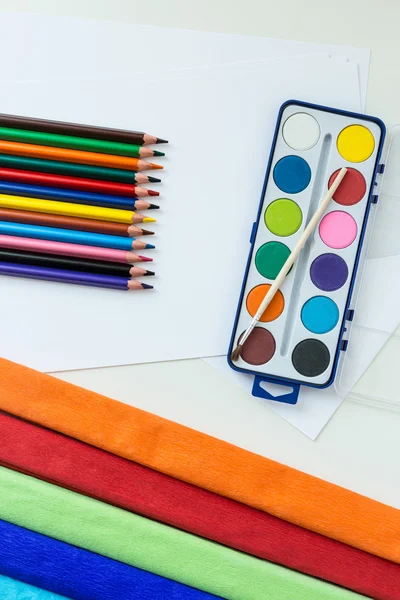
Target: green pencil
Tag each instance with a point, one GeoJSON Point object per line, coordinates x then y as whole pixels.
{"type": "Point", "coordinates": [76, 143]}
{"type": "Point", "coordinates": [74, 169]}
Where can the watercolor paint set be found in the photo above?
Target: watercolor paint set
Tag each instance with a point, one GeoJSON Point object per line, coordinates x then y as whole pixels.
{"type": "Point", "coordinates": [303, 333]}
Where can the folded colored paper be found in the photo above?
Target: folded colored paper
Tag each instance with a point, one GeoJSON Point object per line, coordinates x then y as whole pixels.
{"type": "Point", "coordinates": [17, 590]}
{"type": "Point", "coordinates": [152, 546]}
{"type": "Point", "coordinates": [77, 466]}
{"type": "Point", "coordinates": [201, 460]}
{"type": "Point", "coordinates": [58, 567]}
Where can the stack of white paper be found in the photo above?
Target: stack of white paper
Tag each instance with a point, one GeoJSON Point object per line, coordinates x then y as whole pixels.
{"type": "Point", "coordinates": [220, 123]}
{"type": "Point", "coordinates": [215, 97]}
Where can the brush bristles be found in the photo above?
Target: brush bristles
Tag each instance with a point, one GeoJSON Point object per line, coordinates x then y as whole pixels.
{"type": "Point", "coordinates": [235, 354]}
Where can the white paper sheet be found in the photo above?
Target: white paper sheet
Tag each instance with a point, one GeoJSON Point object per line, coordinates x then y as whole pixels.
{"type": "Point", "coordinates": [309, 415]}
{"type": "Point", "coordinates": [201, 230]}
{"type": "Point", "coordinates": [105, 47]}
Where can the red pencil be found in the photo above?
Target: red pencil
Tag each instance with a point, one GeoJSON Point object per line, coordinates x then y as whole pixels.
{"type": "Point", "coordinates": [76, 183]}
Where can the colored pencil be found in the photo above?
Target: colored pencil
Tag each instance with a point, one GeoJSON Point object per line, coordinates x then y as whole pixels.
{"type": "Point", "coordinates": [76, 183]}
{"type": "Point", "coordinates": [90, 131]}
{"type": "Point", "coordinates": [73, 237]}
{"type": "Point", "coordinates": [76, 156]}
{"type": "Point", "coordinates": [48, 220]}
{"type": "Point", "coordinates": [73, 264]}
{"type": "Point", "coordinates": [49, 193]}
{"type": "Point", "coordinates": [66, 249]}
{"type": "Point", "coordinates": [76, 277]}
{"type": "Point", "coordinates": [68, 209]}
{"type": "Point", "coordinates": [64, 168]}
{"type": "Point", "coordinates": [76, 143]}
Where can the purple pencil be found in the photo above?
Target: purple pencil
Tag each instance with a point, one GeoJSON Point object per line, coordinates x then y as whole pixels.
{"type": "Point", "coordinates": [76, 277]}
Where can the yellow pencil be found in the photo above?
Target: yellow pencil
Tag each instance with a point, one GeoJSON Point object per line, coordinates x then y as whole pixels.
{"type": "Point", "coordinates": [67, 209]}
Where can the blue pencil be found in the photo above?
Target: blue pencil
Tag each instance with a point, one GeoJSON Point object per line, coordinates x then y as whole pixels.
{"type": "Point", "coordinates": [74, 237]}
{"type": "Point", "coordinates": [50, 193]}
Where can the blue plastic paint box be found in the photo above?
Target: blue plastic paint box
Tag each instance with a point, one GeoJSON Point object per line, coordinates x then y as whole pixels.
{"type": "Point", "coordinates": [302, 334]}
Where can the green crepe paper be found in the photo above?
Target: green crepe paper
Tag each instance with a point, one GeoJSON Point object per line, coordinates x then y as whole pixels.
{"type": "Point", "coordinates": [148, 545]}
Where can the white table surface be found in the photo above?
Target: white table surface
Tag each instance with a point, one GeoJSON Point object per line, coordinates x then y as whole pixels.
{"type": "Point", "coordinates": [360, 447]}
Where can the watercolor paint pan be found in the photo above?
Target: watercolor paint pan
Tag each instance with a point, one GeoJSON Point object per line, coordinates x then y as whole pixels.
{"type": "Point", "coordinates": [301, 335]}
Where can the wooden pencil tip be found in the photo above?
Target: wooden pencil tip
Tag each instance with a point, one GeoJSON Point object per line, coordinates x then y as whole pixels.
{"type": "Point", "coordinates": [235, 354]}
{"type": "Point", "coordinates": [161, 141]}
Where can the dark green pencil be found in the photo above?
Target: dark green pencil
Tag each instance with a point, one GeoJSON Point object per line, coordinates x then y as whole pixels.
{"type": "Point", "coordinates": [74, 169]}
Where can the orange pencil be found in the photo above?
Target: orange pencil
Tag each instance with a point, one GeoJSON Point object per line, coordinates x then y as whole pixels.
{"type": "Point", "coordinates": [76, 156]}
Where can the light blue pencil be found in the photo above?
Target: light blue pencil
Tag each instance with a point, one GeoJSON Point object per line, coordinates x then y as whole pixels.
{"type": "Point", "coordinates": [74, 237]}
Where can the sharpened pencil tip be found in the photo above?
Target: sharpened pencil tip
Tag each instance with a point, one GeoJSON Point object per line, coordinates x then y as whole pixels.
{"type": "Point", "coordinates": [149, 247]}
{"type": "Point", "coordinates": [146, 286]}
{"type": "Point", "coordinates": [161, 141]}
{"type": "Point", "coordinates": [154, 180]}
{"type": "Point", "coordinates": [153, 193]}
{"type": "Point", "coordinates": [149, 220]}
{"type": "Point", "coordinates": [154, 166]}
{"type": "Point", "coordinates": [145, 258]}
{"type": "Point", "coordinates": [158, 153]}
{"type": "Point", "coordinates": [147, 232]}
{"type": "Point", "coordinates": [153, 207]}
{"type": "Point", "coordinates": [148, 273]}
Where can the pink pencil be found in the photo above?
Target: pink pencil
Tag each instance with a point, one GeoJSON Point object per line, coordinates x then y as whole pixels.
{"type": "Point", "coordinates": [65, 249]}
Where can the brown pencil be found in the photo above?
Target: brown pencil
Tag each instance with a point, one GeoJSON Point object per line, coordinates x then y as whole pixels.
{"type": "Point", "coordinates": [80, 224]}
{"type": "Point", "coordinates": [90, 131]}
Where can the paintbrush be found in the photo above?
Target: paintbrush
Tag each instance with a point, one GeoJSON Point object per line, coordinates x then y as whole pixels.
{"type": "Point", "coordinates": [235, 354]}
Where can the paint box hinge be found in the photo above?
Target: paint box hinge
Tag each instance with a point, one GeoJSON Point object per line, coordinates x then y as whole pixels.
{"type": "Point", "coordinates": [350, 314]}
{"type": "Point", "coordinates": [343, 345]}
{"type": "Point", "coordinates": [253, 233]}
{"type": "Point", "coordinates": [374, 199]}
{"type": "Point", "coordinates": [381, 168]}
